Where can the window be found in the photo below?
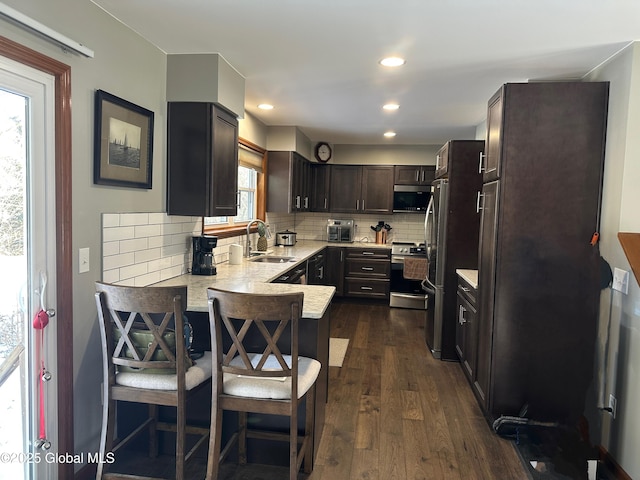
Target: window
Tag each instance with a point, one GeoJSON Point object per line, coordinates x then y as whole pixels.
{"type": "Point", "coordinates": [251, 193]}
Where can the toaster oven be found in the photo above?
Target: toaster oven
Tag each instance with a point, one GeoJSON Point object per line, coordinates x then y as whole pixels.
{"type": "Point", "coordinates": [340, 231]}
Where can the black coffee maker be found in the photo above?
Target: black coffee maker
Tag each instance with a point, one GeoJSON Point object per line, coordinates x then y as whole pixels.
{"type": "Point", "coordinates": [203, 261]}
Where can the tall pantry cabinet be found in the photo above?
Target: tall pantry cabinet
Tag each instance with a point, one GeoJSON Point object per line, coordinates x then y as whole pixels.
{"type": "Point", "coordinates": [538, 278]}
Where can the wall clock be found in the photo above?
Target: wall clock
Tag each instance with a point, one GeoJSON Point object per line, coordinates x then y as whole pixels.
{"type": "Point", "coordinates": [323, 152]}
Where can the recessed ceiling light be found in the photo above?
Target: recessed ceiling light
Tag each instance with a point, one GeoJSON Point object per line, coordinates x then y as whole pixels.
{"type": "Point", "coordinates": [392, 62]}
{"type": "Point", "coordinates": [391, 106]}
{"type": "Point", "coordinates": [265, 106]}
{"type": "Point", "coordinates": [389, 134]}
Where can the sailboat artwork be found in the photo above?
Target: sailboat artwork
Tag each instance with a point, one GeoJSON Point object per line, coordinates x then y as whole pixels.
{"type": "Point", "coordinates": [124, 144]}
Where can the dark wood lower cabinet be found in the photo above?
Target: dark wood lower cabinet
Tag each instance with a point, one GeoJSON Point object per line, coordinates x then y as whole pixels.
{"type": "Point", "coordinates": [334, 268]}
{"type": "Point", "coordinates": [467, 329]}
{"type": "Point", "coordinates": [367, 273]}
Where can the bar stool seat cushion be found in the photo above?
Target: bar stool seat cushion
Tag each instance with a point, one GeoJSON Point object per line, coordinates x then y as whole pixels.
{"type": "Point", "coordinates": [197, 373]}
{"type": "Point", "coordinates": [271, 387]}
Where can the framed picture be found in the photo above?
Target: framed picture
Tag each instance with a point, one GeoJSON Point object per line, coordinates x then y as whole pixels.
{"type": "Point", "coordinates": [123, 142]}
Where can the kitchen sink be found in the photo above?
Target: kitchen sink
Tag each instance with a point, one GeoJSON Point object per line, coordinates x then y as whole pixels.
{"type": "Point", "coordinates": [272, 259]}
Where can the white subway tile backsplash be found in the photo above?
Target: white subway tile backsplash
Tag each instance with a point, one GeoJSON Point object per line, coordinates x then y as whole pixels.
{"type": "Point", "coordinates": [147, 255]}
{"type": "Point", "coordinates": [148, 230]}
{"type": "Point", "coordinates": [134, 219]}
{"type": "Point", "coordinates": [117, 261]}
{"type": "Point", "coordinates": [117, 233]}
{"type": "Point", "coordinates": [110, 220]}
{"type": "Point", "coordinates": [133, 245]}
{"type": "Point", "coordinates": [144, 280]}
{"type": "Point", "coordinates": [172, 228]}
{"type": "Point", "coordinates": [155, 242]}
{"type": "Point", "coordinates": [110, 248]}
{"type": "Point", "coordinates": [172, 272]}
{"type": "Point", "coordinates": [132, 271]}
{"type": "Point", "coordinates": [144, 248]}
{"type": "Point", "coordinates": [157, 218]}
{"type": "Point", "coordinates": [111, 276]}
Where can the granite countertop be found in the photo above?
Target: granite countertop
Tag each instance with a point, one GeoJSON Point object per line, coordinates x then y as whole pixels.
{"type": "Point", "coordinates": [470, 276]}
{"type": "Point", "coordinates": [254, 277]}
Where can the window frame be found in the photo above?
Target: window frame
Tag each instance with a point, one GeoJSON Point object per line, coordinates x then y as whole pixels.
{"type": "Point", "coordinates": [225, 231]}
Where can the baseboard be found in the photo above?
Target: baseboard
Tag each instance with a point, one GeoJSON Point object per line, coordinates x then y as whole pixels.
{"type": "Point", "coordinates": [612, 466]}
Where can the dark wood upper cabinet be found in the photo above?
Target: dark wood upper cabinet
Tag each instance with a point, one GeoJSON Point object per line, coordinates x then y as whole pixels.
{"type": "Point", "coordinates": [288, 182]}
{"type": "Point", "coordinates": [414, 174]}
{"type": "Point", "coordinates": [320, 187]}
{"type": "Point", "coordinates": [202, 158]}
{"type": "Point", "coordinates": [490, 166]}
{"type": "Point", "coordinates": [361, 189]}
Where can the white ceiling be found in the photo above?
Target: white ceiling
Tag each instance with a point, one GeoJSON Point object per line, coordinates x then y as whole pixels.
{"type": "Point", "coordinates": [316, 60]}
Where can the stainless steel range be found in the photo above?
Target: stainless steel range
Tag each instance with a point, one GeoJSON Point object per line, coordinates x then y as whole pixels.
{"type": "Point", "coordinates": [406, 293]}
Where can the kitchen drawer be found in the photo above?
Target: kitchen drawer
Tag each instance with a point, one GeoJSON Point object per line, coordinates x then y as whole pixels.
{"type": "Point", "coordinates": [366, 288]}
{"type": "Point", "coordinates": [377, 253]}
{"type": "Point", "coordinates": [367, 267]}
{"type": "Point", "coordinates": [466, 291]}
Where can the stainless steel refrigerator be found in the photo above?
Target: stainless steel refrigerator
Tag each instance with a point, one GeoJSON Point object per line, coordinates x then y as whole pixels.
{"type": "Point", "coordinates": [434, 223]}
{"type": "Point", "coordinates": [451, 229]}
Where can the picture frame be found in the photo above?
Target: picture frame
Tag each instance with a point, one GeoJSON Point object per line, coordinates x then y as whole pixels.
{"type": "Point", "coordinates": [123, 142]}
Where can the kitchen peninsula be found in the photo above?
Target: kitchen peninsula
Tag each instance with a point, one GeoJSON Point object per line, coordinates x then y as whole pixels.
{"type": "Point", "coordinates": [255, 277]}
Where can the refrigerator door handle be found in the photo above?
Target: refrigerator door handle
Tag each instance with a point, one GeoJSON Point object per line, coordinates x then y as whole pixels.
{"type": "Point", "coordinates": [428, 227]}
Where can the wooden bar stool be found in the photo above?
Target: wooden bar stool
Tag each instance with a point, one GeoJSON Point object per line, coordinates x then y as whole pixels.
{"type": "Point", "coordinates": [145, 360]}
{"type": "Point", "coordinates": [266, 381]}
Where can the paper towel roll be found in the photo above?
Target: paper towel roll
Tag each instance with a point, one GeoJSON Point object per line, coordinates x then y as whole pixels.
{"type": "Point", "coordinates": [235, 254]}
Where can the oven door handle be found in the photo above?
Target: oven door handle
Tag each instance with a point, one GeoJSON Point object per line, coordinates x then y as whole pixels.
{"type": "Point", "coordinates": [427, 287]}
{"type": "Point", "coordinates": [407, 295]}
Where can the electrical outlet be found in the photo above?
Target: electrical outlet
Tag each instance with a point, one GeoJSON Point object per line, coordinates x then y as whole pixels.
{"type": "Point", "coordinates": [620, 280]}
{"type": "Point", "coordinates": [613, 405]}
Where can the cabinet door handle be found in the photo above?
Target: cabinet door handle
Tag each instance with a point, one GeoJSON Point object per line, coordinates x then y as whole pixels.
{"type": "Point", "coordinates": [321, 273]}
{"type": "Point", "coordinates": [423, 176]}
{"type": "Point", "coordinates": [465, 289]}
{"type": "Point", "coordinates": [478, 207]}
{"type": "Point", "coordinates": [437, 162]}
{"type": "Point", "coordinates": [461, 318]}
{"type": "Point", "coordinates": [366, 288]}
{"type": "Point", "coordinates": [368, 253]}
{"type": "Point", "coordinates": [417, 175]}
{"type": "Point", "coordinates": [363, 204]}
{"type": "Point", "coordinates": [357, 204]}
{"type": "Point", "coordinates": [481, 163]}
{"type": "Point", "coordinates": [367, 269]}
{"type": "Point", "coordinates": [238, 199]}
{"type": "Point", "coordinates": [297, 201]}
{"type": "Point", "coordinates": [325, 203]}
{"type": "Point", "coordinates": [306, 202]}
{"type": "Point", "coordinates": [341, 255]}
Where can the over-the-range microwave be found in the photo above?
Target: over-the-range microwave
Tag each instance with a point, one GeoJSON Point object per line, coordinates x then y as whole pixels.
{"type": "Point", "coordinates": [411, 198]}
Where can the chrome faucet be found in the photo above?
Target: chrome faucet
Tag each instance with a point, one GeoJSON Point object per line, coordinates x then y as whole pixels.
{"type": "Point", "coordinates": [247, 248]}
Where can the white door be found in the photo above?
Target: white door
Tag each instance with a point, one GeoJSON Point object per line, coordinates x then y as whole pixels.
{"type": "Point", "coordinates": [28, 424]}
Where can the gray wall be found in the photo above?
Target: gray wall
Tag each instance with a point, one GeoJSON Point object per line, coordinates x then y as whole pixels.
{"type": "Point", "coordinates": [619, 373]}
{"type": "Point", "coordinates": [128, 67]}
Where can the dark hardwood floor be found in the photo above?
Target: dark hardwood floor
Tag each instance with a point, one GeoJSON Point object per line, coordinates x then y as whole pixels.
{"type": "Point", "coordinates": [395, 412]}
